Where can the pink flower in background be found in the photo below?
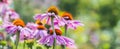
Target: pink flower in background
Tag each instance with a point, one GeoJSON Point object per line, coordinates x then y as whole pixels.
{"type": "Point", "coordinates": [10, 15]}
{"type": "Point", "coordinates": [61, 40]}
{"type": "Point", "coordinates": [3, 8]}
{"type": "Point", "coordinates": [68, 20]}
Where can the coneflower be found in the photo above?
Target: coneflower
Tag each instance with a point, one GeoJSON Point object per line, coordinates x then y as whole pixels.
{"type": "Point", "coordinates": [18, 29]}
{"type": "Point", "coordinates": [68, 22]}
{"type": "Point", "coordinates": [40, 32]}
{"type": "Point", "coordinates": [60, 40]}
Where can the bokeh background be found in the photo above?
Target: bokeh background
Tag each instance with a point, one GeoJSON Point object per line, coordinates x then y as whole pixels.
{"type": "Point", "coordinates": [101, 19]}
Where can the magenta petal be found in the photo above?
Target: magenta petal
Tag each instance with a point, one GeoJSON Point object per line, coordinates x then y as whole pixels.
{"type": "Point", "coordinates": [50, 42]}
{"type": "Point", "coordinates": [42, 41]}
{"type": "Point", "coordinates": [60, 40]}
{"type": "Point", "coordinates": [68, 41]}
{"type": "Point", "coordinates": [14, 15]}
{"type": "Point", "coordinates": [11, 29]}
{"type": "Point", "coordinates": [39, 34]}
{"type": "Point", "coordinates": [48, 21]}
{"type": "Point", "coordinates": [36, 34]}
{"type": "Point", "coordinates": [37, 16]}
{"type": "Point", "coordinates": [70, 25]}
{"type": "Point", "coordinates": [47, 40]}
{"type": "Point", "coordinates": [25, 33]}
{"type": "Point", "coordinates": [77, 23]}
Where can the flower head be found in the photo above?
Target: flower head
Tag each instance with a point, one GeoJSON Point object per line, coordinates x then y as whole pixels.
{"type": "Point", "coordinates": [53, 9]}
{"type": "Point", "coordinates": [57, 31]}
{"type": "Point", "coordinates": [38, 22]}
{"type": "Point", "coordinates": [60, 40]}
{"type": "Point", "coordinates": [18, 22]}
{"type": "Point", "coordinates": [40, 27]}
{"type": "Point", "coordinates": [67, 16]}
{"type": "Point", "coordinates": [40, 31]}
{"type": "Point", "coordinates": [69, 22]}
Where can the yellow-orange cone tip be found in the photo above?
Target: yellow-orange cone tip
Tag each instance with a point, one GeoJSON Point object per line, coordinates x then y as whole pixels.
{"type": "Point", "coordinates": [67, 16]}
{"type": "Point", "coordinates": [53, 9]}
{"type": "Point", "coordinates": [19, 22]}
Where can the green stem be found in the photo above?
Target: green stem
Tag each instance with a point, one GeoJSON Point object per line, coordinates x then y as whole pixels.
{"type": "Point", "coordinates": [2, 47]}
{"type": "Point", "coordinates": [17, 39]}
{"type": "Point", "coordinates": [31, 47]}
{"type": "Point", "coordinates": [63, 46]}
{"type": "Point", "coordinates": [24, 44]}
{"type": "Point", "coordinates": [47, 47]}
{"type": "Point", "coordinates": [65, 29]}
{"type": "Point", "coordinates": [54, 43]}
{"type": "Point", "coordinates": [52, 21]}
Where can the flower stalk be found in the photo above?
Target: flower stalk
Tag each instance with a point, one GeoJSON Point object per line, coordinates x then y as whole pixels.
{"type": "Point", "coordinates": [65, 29]}
{"type": "Point", "coordinates": [52, 21]}
{"type": "Point", "coordinates": [17, 39]}
{"type": "Point", "coordinates": [63, 46]}
{"type": "Point", "coordinates": [24, 44]}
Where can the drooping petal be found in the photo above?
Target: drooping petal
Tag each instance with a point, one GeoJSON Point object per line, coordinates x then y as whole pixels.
{"type": "Point", "coordinates": [60, 40]}
{"type": "Point", "coordinates": [25, 33]}
{"type": "Point", "coordinates": [77, 23]}
{"type": "Point", "coordinates": [40, 34]}
{"type": "Point", "coordinates": [68, 41]}
{"type": "Point", "coordinates": [40, 16]}
{"type": "Point", "coordinates": [47, 40]}
{"type": "Point", "coordinates": [31, 26]}
{"type": "Point", "coordinates": [11, 29]}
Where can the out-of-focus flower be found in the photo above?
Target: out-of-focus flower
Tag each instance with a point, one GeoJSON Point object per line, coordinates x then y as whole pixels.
{"type": "Point", "coordinates": [3, 8]}
{"type": "Point", "coordinates": [11, 14]}
{"type": "Point", "coordinates": [5, 1]}
{"type": "Point", "coordinates": [18, 26]}
{"type": "Point", "coordinates": [52, 12]}
{"type": "Point", "coordinates": [1, 36]}
{"type": "Point", "coordinates": [68, 20]}
{"type": "Point", "coordinates": [60, 40]}
{"type": "Point", "coordinates": [30, 43]}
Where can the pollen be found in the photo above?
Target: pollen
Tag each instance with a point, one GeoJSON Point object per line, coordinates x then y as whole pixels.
{"type": "Point", "coordinates": [53, 9]}
{"type": "Point", "coordinates": [38, 22]}
{"type": "Point", "coordinates": [57, 31]}
{"type": "Point", "coordinates": [67, 16]}
{"type": "Point", "coordinates": [19, 22]}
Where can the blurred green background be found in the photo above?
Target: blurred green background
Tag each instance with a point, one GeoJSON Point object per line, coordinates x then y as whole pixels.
{"type": "Point", "coordinates": [101, 19]}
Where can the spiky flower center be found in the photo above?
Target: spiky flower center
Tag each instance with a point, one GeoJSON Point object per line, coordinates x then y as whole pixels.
{"type": "Point", "coordinates": [53, 9]}
{"type": "Point", "coordinates": [18, 22]}
{"type": "Point", "coordinates": [38, 22]}
{"type": "Point", "coordinates": [57, 31]}
{"type": "Point", "coordinates": [67, 16]}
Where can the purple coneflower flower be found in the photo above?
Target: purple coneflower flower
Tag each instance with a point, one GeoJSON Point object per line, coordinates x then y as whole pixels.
{"type": "Point", "coordinates": [52, 12]}
{"type": "Point", "coordinates": [18, 26]}
{"type": "Point", "coordinates": [69, 22]}
{"type": "Point", "coordinates": [40, 32]}
{"type": "Point", "coordinates": [61, 40]}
